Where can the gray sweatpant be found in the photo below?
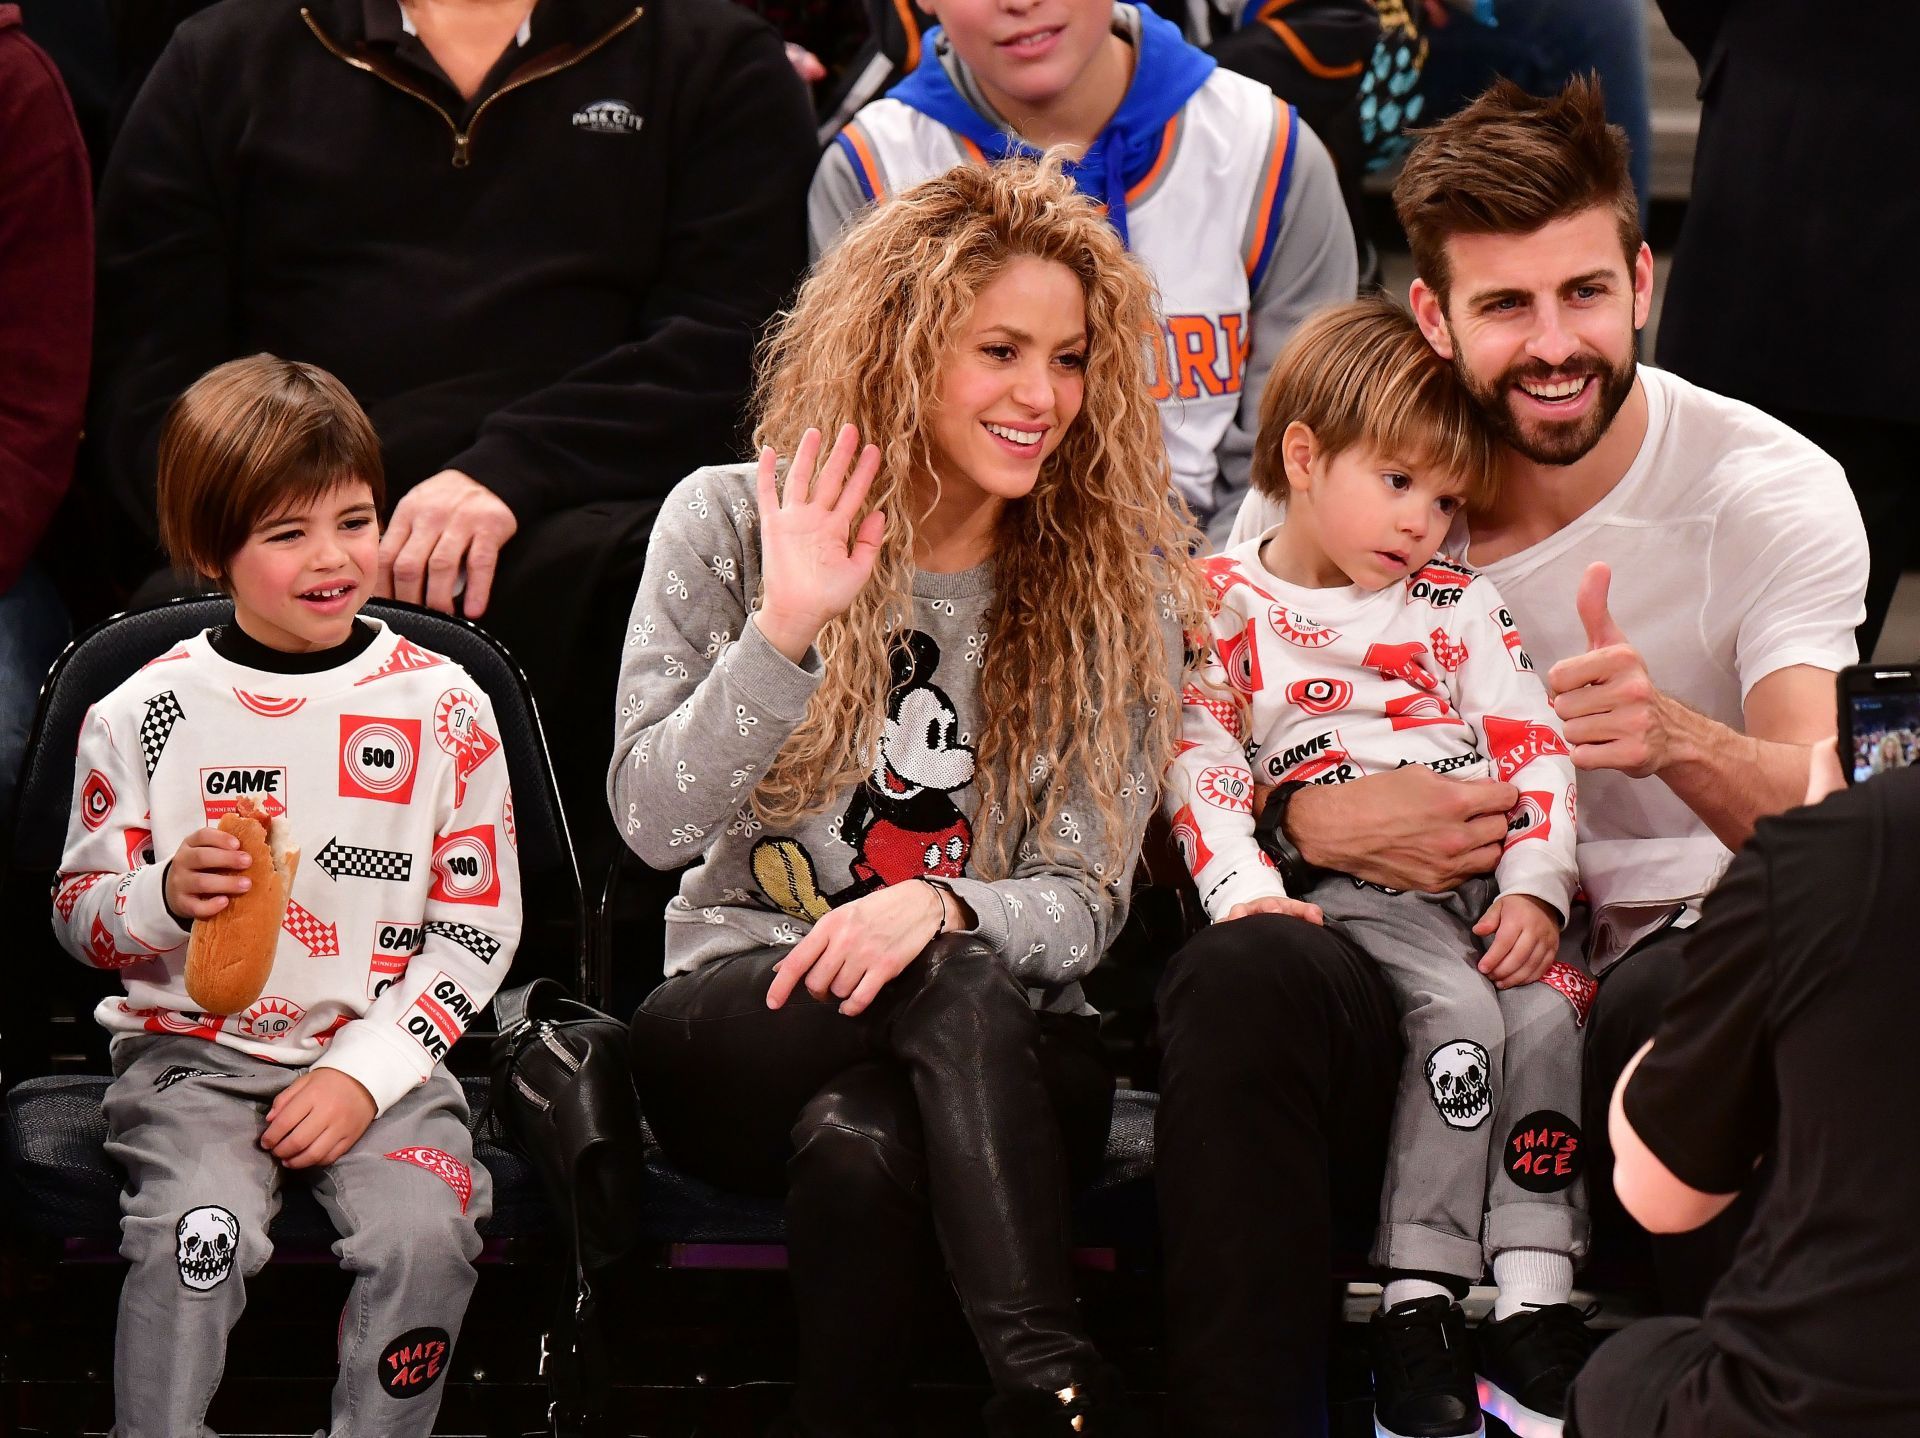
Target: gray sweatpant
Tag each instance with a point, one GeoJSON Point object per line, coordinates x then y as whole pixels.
{"type": "Point", "coordinates": [1486, 1151]}
{"type": "Point", "coordinates": [184, 1119]}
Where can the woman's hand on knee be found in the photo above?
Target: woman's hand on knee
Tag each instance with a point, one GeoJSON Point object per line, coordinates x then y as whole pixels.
{"type": "Point", "coordinates": [856, 950]}
{"type": "Point", "coordinates": [813, 562]}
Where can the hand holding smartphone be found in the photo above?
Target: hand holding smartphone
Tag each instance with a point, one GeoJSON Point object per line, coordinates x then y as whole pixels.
{"type": "Point", "coordinates": [1879, 720]}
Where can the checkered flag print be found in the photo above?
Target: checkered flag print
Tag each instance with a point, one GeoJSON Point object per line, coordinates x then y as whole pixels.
{"type": "Point", "coordinates": [352, 861]}
{"type": "Point", "coordinates": [482, 945]}
{"type": "Point", "coordinates": [322, 941]}
{"type": "Point", "coordinates": [163, 712]}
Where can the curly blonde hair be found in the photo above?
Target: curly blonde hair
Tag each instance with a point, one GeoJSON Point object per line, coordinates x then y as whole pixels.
{"type": "Point", "coordinates": [1081, 571]}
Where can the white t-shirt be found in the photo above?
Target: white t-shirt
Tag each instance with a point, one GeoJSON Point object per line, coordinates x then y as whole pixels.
{"type": "Point", "coordinates": [1737, 550]}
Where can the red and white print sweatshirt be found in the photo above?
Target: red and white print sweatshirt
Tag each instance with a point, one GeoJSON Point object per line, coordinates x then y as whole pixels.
{"type": "Point", "coordinates": [1338, 683]}
{"type": "Point", "coordinates": [405, 910]}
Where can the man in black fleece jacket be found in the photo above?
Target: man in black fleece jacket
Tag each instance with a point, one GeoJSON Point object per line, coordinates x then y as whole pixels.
{"type": "Point", "coordinates": [545, 293]}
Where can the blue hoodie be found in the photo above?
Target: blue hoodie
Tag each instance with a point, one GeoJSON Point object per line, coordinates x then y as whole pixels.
{"type": "Point", "coordinates": [1166, 72]}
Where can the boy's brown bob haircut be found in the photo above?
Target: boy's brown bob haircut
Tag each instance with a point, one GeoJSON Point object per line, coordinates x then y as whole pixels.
{"type": "Point", "coordinates": [1510, 163]}
{"type": "Point", "coordinates": [250, 439]}
{"type": "Point", "coordinates": [1362, 373]}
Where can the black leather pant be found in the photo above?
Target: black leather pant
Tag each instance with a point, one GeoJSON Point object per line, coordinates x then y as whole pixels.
{"type": "Point", "coordinates": [950, 1100]}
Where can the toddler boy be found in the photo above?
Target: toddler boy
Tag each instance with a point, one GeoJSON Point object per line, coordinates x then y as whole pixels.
{"type": "Point", "coordinates": [1342, 644]}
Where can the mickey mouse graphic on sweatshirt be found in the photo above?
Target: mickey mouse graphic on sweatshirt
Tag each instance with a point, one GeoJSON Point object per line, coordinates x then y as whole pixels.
{"type": "Point", "coordinates": [902, 823]}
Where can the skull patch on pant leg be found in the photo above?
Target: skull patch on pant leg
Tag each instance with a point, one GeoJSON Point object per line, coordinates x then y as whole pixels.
{"type": "Point", "coordinates": [1461, 1080]}
{"type": "Point", "coordinates": [207, 1240]}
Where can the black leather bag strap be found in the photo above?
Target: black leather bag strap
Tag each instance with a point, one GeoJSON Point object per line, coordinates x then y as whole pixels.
{"type": "Point", "coordinates": [574, 1359]}
{"type": "Point", "coordinates": [515, 1006]}
{"type": "Point", "coordinates": [573, 1353]}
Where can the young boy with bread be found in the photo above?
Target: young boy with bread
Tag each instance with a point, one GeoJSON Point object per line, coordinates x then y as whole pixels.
{"type": "Point", "coordinates": [293, 839]}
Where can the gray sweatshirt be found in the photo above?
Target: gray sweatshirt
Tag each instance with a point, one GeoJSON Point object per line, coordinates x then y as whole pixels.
{"type": "Point", "coordinates": [706, 702]}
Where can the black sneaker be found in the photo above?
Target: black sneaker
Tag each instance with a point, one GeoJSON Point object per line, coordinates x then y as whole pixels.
{"type": "Point", "coordinates": [1529, 1361]}
{"type": "Point", "coordinates": [1423, 1383]}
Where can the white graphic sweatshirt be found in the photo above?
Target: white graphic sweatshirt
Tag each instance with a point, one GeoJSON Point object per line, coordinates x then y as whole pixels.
{"type": "Point", "coordinates": [405, 909]}
{"type": "Point", "coordinates": [1337, 683]}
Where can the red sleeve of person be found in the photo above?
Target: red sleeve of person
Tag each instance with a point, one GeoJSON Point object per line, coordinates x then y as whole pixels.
{"type": "Point", "coordinates": [46, 292]}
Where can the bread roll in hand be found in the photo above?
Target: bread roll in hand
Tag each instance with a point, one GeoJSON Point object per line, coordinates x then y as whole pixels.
{"type": "Point", "coordinates": [231, 954]}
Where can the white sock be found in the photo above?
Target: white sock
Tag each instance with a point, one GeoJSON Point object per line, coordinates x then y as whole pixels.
{"type": "Point", "coordinates": [1405, 1290]}
{"type": "Point", "coordinates": [1524, 1276]}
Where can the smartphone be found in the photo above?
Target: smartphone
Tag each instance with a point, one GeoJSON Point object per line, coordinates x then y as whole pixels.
{"type": "Point", "coordinates": [1879, 719]}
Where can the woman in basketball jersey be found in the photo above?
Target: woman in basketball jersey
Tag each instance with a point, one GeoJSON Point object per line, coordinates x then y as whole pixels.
{"type": "Point", "coordinates": [907, 707]}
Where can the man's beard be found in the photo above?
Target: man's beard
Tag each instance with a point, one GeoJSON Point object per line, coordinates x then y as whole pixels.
{"type": "Point", "coordinates": [1548, 441]}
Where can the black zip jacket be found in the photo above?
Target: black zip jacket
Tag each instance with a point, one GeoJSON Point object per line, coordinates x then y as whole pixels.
{"type": "Point", "coordinates": [554, 288]}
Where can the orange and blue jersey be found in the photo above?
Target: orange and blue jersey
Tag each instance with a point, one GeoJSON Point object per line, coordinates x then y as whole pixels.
{"type": "Point", "coordinates": [1200, 171]}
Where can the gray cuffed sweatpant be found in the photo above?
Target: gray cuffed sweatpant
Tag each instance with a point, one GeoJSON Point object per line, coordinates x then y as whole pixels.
{"type": "Point", "coordinates": [184, 1119]}
{"type": "Point", "coordinates": [1486, 1152]}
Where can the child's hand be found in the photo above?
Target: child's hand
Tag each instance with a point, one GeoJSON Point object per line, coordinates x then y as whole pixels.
{"type": "Point", "coordinates": [1299, 908]}
{"type": "Point", "coordinates": [203, 873]}
{"type": "Point", "coordinates": [317, 1117]}
{"type": "Point", "coordinates": [1526, 936]}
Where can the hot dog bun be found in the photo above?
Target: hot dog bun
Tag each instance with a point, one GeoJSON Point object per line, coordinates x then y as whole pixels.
{"type": "Point", "coordinates": [231, 954]}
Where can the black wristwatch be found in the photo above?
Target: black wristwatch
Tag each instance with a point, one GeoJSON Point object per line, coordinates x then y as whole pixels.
{"type": "Point", "coordinates": [1270, 830]}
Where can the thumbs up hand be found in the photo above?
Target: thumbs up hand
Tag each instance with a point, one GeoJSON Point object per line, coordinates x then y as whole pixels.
{"type": "Point", "coordinates": [1614, 717]}
{"type": "Point", "coordinates": [1591, 604]}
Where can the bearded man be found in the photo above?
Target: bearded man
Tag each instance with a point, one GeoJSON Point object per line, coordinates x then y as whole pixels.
{"type": "Point", "coordinates": [1687, 573]}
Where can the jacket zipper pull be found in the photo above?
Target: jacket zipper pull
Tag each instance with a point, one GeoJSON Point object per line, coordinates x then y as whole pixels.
{"type": "Point", "coordinates": [460, 157]}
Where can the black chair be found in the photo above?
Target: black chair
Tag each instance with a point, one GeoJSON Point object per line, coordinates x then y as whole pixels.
{"type": "Point", "coordinates": [60, 1190]}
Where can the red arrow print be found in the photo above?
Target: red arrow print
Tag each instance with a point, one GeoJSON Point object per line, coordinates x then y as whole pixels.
{"type": "Point", "coordinates": [103, 953]}
{"type": "Point", "coordinates": [321, 941]}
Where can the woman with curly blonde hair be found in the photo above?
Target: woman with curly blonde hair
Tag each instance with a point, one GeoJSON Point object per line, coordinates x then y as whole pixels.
{"type": "Point", "coordinates": [905, 707]}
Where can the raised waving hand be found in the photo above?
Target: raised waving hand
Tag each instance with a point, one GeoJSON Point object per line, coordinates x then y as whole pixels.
{"type": "Point", "coordinates": [812, 560]}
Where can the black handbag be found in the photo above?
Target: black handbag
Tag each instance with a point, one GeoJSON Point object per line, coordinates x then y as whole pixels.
{"type": "Point", "coordinates": [563, 1093]}
{"type": "Point", "coordinates": [563, 1087]}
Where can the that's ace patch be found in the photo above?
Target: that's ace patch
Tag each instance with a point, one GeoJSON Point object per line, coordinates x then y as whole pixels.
{"type": "Point", "coordinates": [1544, 1152]}
{"type": "Point", "coordinates": [412, 1363]}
